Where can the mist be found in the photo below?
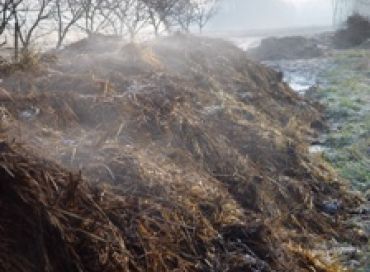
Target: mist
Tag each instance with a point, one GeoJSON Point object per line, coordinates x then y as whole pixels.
{"type": "Point", "coordinates": [272, 14]}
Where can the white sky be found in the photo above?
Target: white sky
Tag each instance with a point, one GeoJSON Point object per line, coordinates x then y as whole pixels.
{"type": "Point", "coordinates": [299, 2]}
{"type": "Point", "coordinates": [304, 3]}
{"type": "Point", "coordinates": [254, 14]}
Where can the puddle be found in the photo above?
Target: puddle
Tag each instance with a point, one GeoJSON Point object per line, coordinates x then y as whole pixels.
{"type": "Point", "coordinates": [317, 149]}
{"type": "Point", "coordinates": [29, 113]}
{"type": "Point", "coordinates": [301, 75]}
{"type": "Point", "coordinates": [69, 142]}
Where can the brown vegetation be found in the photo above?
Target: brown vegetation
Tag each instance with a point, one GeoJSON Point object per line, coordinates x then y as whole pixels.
{"type": "Point", "coordinates": [196, 162]}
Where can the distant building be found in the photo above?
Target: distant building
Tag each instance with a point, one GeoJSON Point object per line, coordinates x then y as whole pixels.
{"type": "Point", "coordinates": [345, 8]}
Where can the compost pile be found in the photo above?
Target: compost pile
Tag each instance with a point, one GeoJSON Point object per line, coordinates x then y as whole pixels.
{"type": "Point", "coordinates": [291, 48]}
{"type": "Point", "coordinates": [354, 33]}
{"type": "Point", "coordinates": [178, 154]}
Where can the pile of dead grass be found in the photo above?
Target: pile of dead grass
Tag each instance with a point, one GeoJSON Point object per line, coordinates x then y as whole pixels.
{"type": "Point", "coordinates": [204, 161]}
{"type": "Point", "coordinates": [293, 47]}
{"type": "Point", "coordinates": [52, 220]}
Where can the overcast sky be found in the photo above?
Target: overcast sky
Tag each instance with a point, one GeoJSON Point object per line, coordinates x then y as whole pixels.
{"type": "Point", "coordinates": [264, 14]}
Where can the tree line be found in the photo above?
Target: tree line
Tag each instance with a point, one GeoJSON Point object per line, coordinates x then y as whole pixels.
{"type": "Point", "coordinates": [28, 20]}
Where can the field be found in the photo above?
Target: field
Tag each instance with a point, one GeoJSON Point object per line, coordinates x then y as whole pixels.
{"type": "Point", "coordinates": [345, 92]}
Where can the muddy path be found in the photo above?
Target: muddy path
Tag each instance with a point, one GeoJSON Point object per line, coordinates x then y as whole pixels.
{"type": "Point", "coordinates": [341, 83]}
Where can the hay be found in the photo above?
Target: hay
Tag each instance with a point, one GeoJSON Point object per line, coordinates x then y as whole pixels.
{"type": "Point", "coordinates": [201, 165]}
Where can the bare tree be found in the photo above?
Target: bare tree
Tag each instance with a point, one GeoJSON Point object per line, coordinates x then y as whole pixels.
{"type": "Point", "coordinates": [67, 14]}
{"type": "Point", "coordinates": [204, 10]}
{"type": "Point", "coordinates": [136, 17]}
{"type": "Point", "coordinates": [116, 14]}
{"type": "Point", "coordinates": [95, 17]}
{"type": "Point", "coordinates": [159, 12]}
{"type": "Point", "coordinates": [34, 19]}
{"type": "Point", "coordinates": [28, 17]}
{"type": "Point", "coordinates": [7, 10]}
{"type": "Point", "coordinates": [183, 14]}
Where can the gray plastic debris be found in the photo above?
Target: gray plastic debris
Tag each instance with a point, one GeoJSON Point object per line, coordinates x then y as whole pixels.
{"type": "Point", "coordinates": [331, 207]}
{"type": "Point", "coordinates": [29, 113]}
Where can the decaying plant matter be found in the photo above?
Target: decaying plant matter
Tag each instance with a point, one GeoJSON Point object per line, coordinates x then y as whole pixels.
{"type": "Point", "coordinates": [193, 158]}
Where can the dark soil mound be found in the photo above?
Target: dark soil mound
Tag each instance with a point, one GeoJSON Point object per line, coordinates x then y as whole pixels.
{"type": "Point", "coordinates": [95, 43]}
{"type": "Point", "coordinates": [355, 32]}
{"type": "Point", "coordinates": [286, 48]}
{"type": "Point", "coordinates": [194, 159]}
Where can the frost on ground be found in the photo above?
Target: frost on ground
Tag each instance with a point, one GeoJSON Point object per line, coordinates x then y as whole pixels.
{"type": "Point", "coordinates": [340, 82]}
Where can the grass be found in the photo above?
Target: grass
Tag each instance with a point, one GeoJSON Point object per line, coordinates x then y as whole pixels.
{"type": "Point", "coordinates": [346, 94]}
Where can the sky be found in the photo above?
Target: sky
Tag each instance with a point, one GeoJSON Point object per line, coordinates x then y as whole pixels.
{"type": "Point", "coordinates": [267, 14]}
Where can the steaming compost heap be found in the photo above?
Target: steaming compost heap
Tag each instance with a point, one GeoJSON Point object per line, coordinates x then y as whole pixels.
{"type": "Point", "coordinates": [193, 158]}
{"type": "Point", "coordinates": [287, 48]}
